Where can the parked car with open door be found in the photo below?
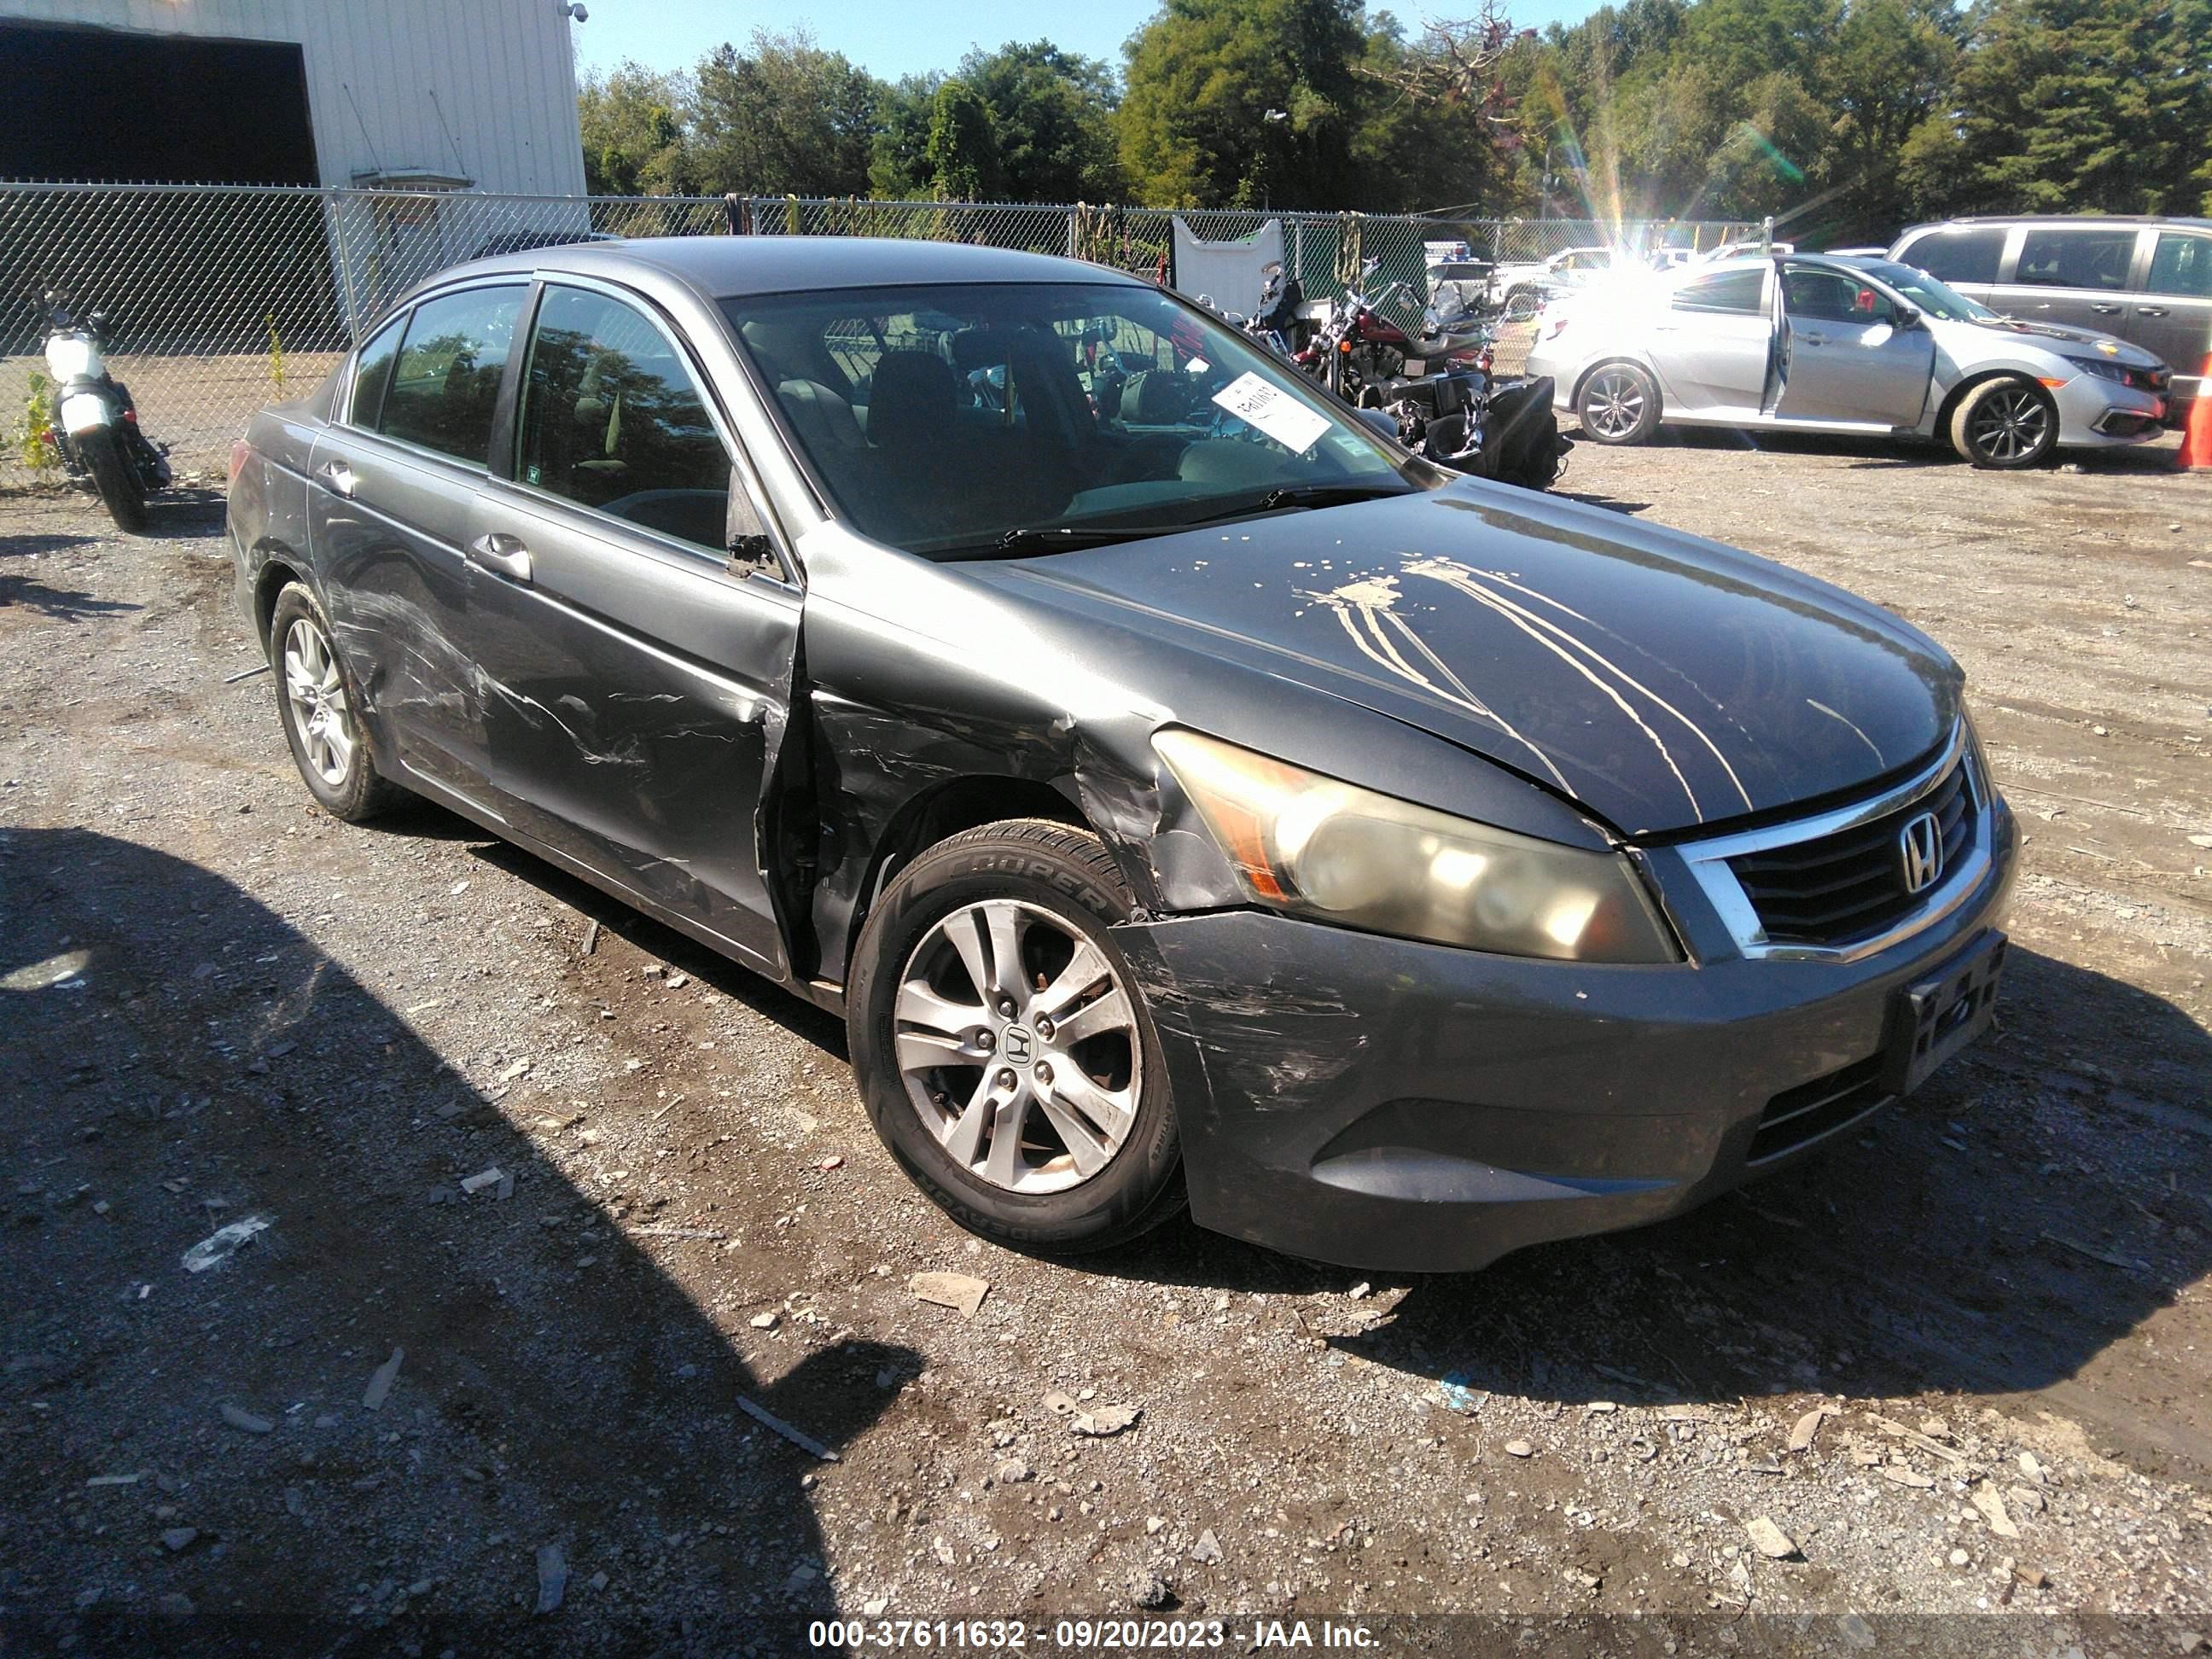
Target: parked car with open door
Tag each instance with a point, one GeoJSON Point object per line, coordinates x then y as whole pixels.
{"type": "Point", "coordinates": [1812, 342]}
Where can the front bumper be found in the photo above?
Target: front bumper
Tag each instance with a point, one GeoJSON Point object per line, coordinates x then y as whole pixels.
{"type": "Point", "coordinates": [2099, 414]}
{"type": "Point", "coordinates": [1403, 1107]}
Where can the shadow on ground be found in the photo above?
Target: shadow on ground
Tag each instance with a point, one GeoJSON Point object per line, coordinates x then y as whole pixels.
{"type": "Point", "coordinates": [1915, 1253]}
{"type": "Point", "coordinates": [192, 1464]}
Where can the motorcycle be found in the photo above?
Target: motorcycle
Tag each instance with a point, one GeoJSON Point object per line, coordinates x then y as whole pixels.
{"type": "Point", "coordinates": [1503, 429]}
{"type": "Point", "coordinates": [96, 423]}
{"type": "Point", "coordinates": [1359, 351]}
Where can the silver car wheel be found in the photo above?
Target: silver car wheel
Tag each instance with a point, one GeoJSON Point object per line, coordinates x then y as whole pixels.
{"type": "Point", "coordinates": [316, 691]}
{"type": "Point", "coordinates": [1018, 1045]}
{"type": "Point", "coordinates": [1613, 405]}
{"type": "Point", "coordinates": [2010, 423]}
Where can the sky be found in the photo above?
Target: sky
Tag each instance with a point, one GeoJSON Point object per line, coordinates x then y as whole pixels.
{"type": "Point", "coordinates": [896, 38]}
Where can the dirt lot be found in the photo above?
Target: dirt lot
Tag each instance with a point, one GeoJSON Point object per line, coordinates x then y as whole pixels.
{"type": "Point", "coordinates": [1990, 1313]}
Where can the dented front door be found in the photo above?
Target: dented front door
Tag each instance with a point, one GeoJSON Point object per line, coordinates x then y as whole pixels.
{"type": "Point", "coordinates": [637, 683]}
{"type": "Point", "coordinates": [636, 695]}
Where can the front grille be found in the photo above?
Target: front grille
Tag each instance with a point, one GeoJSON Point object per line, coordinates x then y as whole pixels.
{"type": "Point", "coordinates": [1816, 1108]}
{"type": "Point", "coordinates": [1838, 889]}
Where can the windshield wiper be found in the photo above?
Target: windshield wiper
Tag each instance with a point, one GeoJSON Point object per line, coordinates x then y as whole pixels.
{"type": "Point", "coordinates": [1021, 542]}
{"type": "Point", "coordinates": [1329, 496]}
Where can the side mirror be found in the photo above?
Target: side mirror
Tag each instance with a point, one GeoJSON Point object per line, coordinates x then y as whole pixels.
{"type": "Point", "coordinates": [1907, 317]}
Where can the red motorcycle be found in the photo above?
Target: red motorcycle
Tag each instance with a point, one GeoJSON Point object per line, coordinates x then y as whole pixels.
{"type": "Point", "coordinates": [1359, 353]}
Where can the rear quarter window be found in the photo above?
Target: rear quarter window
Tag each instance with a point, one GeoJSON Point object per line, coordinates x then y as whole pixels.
{"type": "Point", "coordinates": [2077, 255]}
{"type": "Point", "coordinates": [1732, 291]}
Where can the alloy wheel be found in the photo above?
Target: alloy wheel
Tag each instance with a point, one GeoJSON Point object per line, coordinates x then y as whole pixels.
{"type": "Point", "coordinates": [2009, 424]}
{"type": "Point", "coordinates": [1018, 1046]}
{"type": "Point", "coordinates": [1613, 405]}
{"type": "Point", "coordinates": [316, 691]}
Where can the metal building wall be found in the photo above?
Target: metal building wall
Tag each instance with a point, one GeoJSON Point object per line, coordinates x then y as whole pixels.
{"type": "Point", "coordinates": [484, 90]}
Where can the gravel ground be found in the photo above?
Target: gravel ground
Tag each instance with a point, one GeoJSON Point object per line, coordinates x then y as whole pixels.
{"type": "Point", "coordinates": [1959, 1363]}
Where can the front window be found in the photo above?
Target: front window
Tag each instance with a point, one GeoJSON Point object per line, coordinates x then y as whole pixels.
{"type": "Point", "coordinates": [965, 419]}
{"type": "Point", "coordinates": [1930, 297]}
{"type": "Point", "coordinates": [1811, 294]}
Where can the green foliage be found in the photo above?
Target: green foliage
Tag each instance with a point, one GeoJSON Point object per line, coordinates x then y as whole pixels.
{"type": "Point", "coordinates": [1053, 114]}
{"type": "Point", "coordinates": [784, 115]}
{"type": "Point", "coordinates": [1243, 103]}
{"type": "Point", "coordinates": [635, 140]}
{"type": "Point", "coordinates": [275, 355]}
{"type": "Point", "coordinates": [2074, 105]}
{"type": "Point", "coordinates": [1844, 119]}
{"type": "Point", "coordinates": [36, 445]}
{"type": "Point", "coordinates": [898, 164]}
{"type": "Point", "coordinates": [963, 147]}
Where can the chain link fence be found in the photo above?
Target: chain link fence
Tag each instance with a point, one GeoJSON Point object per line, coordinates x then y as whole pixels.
{"type": "Point", "coordinates": [222, 299]}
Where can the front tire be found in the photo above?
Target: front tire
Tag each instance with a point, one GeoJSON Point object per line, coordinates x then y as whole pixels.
{"type": "Point", "coordinates": [1619, 404]}
{"type": "Point", "coordinates": [115, 476]}
{"type": "Point", "coordinates": [1004, 1048]}
{"type": "Point", "coordinates": [2005, 424]}
{"type": "Point", "coordinates": [319, 705]}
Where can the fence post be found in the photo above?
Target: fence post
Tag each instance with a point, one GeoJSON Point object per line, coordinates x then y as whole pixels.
{"type": "Point", "coordinates": [740, 213]}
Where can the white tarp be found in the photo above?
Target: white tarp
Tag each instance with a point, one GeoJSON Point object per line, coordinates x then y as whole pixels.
{"type": "Point", "coordinates": [1226, 275]}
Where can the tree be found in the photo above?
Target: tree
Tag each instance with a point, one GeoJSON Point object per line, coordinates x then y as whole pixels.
{"type": "Point", "coordinates": [1053, 114]}
{"type": "Point", "coordinates": [635, 144]}
{"type": "Point", "coordinates": [2071, 105]}
{"type": "Point", "coordinates": [963, 148]}
{"type": "Point", "coordinates": [1890, 71]}
{"type": "Point", "coordinates": [898, 164]}
{"type": "Point", "coordinates": [1243, 102]}
{"type": "Point", "coordinates": [784, 117]}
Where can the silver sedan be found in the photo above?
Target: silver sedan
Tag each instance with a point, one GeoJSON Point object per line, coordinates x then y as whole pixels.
{"type": "Point", "coordinates": [1823, 343]}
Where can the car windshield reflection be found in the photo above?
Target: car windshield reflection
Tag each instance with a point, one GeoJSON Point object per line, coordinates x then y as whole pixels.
{"type": "Point", "coordinates": [961, 420]}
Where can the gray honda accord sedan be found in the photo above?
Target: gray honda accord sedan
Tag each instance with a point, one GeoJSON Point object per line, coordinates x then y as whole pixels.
{"type": "Point", "coordinates": [1185, 795]}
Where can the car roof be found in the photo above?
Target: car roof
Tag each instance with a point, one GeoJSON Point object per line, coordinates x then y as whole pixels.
{"type": "Point", "coordinates": [720, 267]}
{"type": "Point", "coordinates": [2000, 219]}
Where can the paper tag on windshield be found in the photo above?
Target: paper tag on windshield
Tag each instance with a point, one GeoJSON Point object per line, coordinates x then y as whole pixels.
{"type": "Point", "coordinates": [1275, 413]}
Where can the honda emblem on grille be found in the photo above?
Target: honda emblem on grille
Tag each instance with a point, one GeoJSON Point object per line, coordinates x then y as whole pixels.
{"type": "Point", "coordinates": [1920, 845]}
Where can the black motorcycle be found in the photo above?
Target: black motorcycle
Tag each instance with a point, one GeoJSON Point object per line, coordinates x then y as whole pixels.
{"type": "Point", "coordinates": [95, 424]}
{"type": "Point", "coordinates": [1494, 428]}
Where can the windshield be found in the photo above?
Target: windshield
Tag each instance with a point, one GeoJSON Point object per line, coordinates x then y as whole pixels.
{"type": "Point", "coordinates": [957, 419]}
{"type": "Point", "coordinates": [1946, 305]}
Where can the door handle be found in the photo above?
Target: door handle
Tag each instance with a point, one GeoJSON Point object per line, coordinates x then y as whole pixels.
{"type": "Point", "coordinates": [504, 553]}
{"type": "Point", "coordinates": [1814, 339]}
{"type": "Point", "coordinates": [2106, 311]}
{"type": "Point", "coordinates": [339, 477]}
{"type": "Point", "coordinates": [2145, 311]}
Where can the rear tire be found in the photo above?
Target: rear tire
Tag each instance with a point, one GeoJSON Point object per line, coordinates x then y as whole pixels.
{"type": "Point", "coordinates": [1619, 404]}
{"type": "Point", "coordinates": [319, 704]}
{"type": "Point", "coordinates": [1038, 1138]}
{"type": "Point", "coordinates": [2005, 425]}
{"type": "Point", "coordinates": [116, 478]}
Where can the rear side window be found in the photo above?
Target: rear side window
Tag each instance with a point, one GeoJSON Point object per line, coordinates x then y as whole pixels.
{"type": "Point", "coordinates": [2183, 265]}
{"type": "Point", "coordinates": [1727, 290]}
{"type": "Point", "coordinates": [612, 419]}
{"type": "Point", "coordinates": [373, 371]}
{"type": "Point", "coordinates": [2076, 256]}
{"type": "Point", "coordinates": [445, 382]}
{"type": "Point", "coordinates": [1957, 256]}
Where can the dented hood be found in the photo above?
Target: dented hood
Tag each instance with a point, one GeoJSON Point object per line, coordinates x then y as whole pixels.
{"type": "Point", "coordinates": [1662, 682]}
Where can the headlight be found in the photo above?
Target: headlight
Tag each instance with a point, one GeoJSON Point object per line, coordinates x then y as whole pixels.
{"type": "Point", "coordinates": [2102, 368]}
{"type": "Point", "coordinates": [1315, 847]}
